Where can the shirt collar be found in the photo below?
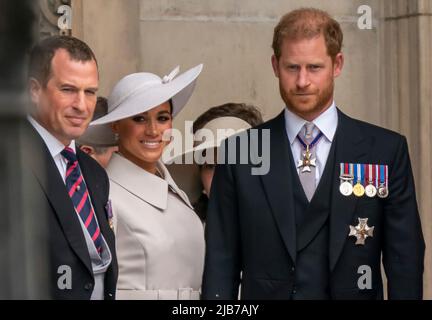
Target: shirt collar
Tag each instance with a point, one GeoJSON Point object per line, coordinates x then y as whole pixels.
{"type": "Point", "coordinates": [53, 144]}
{"type": "Point", "coordinates": [326, 123]}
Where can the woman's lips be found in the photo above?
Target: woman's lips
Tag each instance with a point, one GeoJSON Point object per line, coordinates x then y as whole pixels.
{"type": "Point", "coordinates": [151, 144]}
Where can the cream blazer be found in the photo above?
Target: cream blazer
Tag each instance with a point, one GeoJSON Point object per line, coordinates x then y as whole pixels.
{"type": "Point", "coordinates": [159, 238]}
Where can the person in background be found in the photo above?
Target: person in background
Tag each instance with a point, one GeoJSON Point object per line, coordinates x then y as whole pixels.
{"type": "Point", "coordinates": [99, 142]}
{"type": "Point", "coordinates": [196, 179]}
{"type": "Point", "coordinates": [160, 239]}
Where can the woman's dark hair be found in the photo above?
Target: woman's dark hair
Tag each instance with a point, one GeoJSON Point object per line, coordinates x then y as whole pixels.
{"type": "Point", "coordinates": [246, 112]}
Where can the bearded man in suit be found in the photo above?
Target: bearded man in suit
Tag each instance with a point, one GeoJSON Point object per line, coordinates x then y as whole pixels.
{"type": "Point", "coordinates": [339, 193]}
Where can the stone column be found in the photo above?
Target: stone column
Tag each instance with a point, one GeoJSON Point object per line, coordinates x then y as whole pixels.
{"type": "Point", "coordinates": [406, 96]}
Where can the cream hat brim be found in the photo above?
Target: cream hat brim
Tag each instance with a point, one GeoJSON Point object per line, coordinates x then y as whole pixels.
{"type": "Point", "coordinates": [140, 92]}
{"type": "Point", "coordinates": [187, 176]}
{"type": "Point", "coordinates": [98, 136]}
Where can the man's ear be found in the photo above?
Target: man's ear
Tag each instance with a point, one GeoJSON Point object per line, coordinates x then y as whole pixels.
{"type": "Point", "coordinates": [275, 65]}
{"type": "Point", "coordinates": [87, 149]}
{"type": "Point", "coordinates": [338, 64]}
{"type": "Point", "coordinates": [35, 89]}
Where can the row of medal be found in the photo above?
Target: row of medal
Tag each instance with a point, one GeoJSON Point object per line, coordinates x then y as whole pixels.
{"type": "Point", "coordinates": [363, 179]}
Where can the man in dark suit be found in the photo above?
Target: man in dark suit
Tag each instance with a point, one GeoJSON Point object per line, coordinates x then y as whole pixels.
{"type": "Point", "coordinates": [339, 193]}
{"type": "Point", "coordinates": [63, 80]}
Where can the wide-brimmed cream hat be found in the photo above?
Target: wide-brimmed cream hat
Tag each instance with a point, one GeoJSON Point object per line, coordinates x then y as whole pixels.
{"type": "Point", "coordinates": [140, 92]}
{"type": "Point", "coordinates": [187, 175]}
{"type": "Point", "coordinates": [98, 136]}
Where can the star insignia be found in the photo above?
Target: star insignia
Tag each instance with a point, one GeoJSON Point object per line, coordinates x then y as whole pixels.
{"type": "Point", "coordinates": [361, 231]}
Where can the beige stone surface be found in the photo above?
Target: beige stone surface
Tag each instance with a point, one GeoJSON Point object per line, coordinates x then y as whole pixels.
{"type": "Point", "coordinates": [111, 30]}
{"type": "Point", "coordinates": [233, 40]}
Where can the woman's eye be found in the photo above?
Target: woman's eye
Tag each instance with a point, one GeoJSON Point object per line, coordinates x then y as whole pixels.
{"type": "Point", "coordinates": [138, 119]}
{"type": "Point", "coordinates": [164, 118]}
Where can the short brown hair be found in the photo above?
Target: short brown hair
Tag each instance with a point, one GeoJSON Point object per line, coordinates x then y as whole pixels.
{"type": "Point", "coordinates": [307, 23]}
{"type": "Point", "coordinates": [101, 108]}
{"type": "Point", "coordinates": [246, 112]}
{"type": "Point", "coordinates": [43, 53]}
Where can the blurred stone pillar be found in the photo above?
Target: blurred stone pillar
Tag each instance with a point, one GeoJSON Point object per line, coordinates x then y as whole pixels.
{"type": "Point", "coordinates": [23, 237]}
{"type": "Point", "coordinates": [406, 97]}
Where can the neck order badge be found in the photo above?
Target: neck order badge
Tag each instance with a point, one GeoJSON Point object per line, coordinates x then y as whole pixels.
{"type": "Point", "coordinates": [307, 160]}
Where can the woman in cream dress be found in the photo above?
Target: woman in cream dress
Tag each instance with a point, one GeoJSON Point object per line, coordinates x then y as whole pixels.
{"type": "Point", "coordinates": [159, 238]}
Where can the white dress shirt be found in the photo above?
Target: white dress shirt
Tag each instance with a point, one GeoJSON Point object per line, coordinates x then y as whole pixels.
{"type": "Point", "coordinates": [326, 123]}
{"type": "Point", "coordinates": [54, 146]}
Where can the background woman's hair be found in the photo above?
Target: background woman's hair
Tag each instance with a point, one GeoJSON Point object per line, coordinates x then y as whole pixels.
{"type": "Point", "coordinates": [246, 112]}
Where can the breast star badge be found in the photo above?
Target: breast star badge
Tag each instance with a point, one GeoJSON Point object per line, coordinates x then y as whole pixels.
{"type": "Point", "coordinates": [361, 231]}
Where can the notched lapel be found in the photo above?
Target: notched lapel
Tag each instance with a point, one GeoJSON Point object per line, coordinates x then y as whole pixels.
{"type": "Point", "coordinates": [352, 146]}
{"type": "Point", "coordinates": [55, 190]}
{"type": "Point", "coordinates": [277, 184]}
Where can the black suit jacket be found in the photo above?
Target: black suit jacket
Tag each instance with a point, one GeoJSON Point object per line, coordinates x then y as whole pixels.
{"type": "Point", "coordinates": [67, 245]}
{"type": "Point", "coordinates": [251, 222]}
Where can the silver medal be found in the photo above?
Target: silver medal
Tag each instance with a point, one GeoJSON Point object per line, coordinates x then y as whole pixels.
{"type": "Point", "coordinates": [346, 188]}
{"type": "Point", "coordinates": [370, 190]}
{"type": "Point", "coordinates": [382, 191]}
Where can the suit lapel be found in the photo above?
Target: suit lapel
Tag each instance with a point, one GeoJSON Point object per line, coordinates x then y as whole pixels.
{"type": "Point", "coordinates": [352, 146]}
{"type": "Point", "coordinates": [55, 190]}
{"type": "Point", "coordinates": [278, 184]}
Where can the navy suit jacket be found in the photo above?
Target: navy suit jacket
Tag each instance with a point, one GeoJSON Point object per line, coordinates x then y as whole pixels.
{"type": "Point", "coordinates": [251, 224]}
{"type": "Point", "coordinates": [67, 245]}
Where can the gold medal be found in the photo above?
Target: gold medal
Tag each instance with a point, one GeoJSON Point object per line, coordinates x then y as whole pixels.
{"type": "Point", "coordinates": [358, 190]}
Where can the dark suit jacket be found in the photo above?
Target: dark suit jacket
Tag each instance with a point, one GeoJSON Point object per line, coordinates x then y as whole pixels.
{"type": "Point", "coordinates": [67, 245]}
{"type": "Point", "coordinates": [251, 225]}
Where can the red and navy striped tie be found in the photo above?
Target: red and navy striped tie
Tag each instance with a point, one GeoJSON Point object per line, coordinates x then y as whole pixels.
{"type": "Point", "coordinates": [80, 197]}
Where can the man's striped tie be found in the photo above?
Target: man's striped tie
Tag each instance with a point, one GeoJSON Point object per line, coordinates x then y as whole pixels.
{"type": "Point", "coordinates": [80, 197]}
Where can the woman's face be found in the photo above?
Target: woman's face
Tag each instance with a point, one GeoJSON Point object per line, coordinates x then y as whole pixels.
{"type": "Point", "coordinates": [140, 136]}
